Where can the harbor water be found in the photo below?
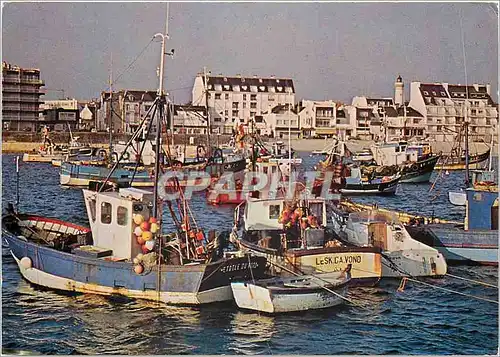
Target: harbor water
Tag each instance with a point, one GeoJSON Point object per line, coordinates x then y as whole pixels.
{"type": "Point", "coordinates": [418, 320]}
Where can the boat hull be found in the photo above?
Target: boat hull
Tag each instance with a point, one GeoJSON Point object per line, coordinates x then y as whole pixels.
{"type": "Point", "coordinates": [253, 297]}
{"type": "Point", "coordinates": [41, 158]}
{"type": "Point", "coordinates": [475, 162]}
{"type": "Point", "coordinates": [366, 262]}
{"type": "Point", "coordinates": [384, 188]}
{"type": "Point", "coordinates": [458, 245]}
{"type": "Point", "coordinates": [420, 171]}
{"type": "Point", "coordinates": [179, 284]}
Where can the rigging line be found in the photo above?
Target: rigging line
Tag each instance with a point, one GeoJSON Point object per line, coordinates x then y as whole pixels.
{"type": "Point", "coordinates": [131, 64]}
{"type": "Point", "coordinates": [453, 291]}
{"type": "Point", "coordinates": [471, 280]}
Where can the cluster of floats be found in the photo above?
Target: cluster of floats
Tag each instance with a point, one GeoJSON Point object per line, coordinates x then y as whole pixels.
{"type": "Point", "coordinates": [290, 248]}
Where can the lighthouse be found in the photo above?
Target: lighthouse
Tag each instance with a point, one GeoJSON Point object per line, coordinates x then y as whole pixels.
{"type": "Point", "coordinates": [399, 91]}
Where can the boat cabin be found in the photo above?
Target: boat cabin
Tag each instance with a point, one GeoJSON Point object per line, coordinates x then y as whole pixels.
{"type": "Point", "coordinates": [111, 218]}
{"type": "Point", "coordinates": [264, 223]}
{"type": "Point", "coordinates": [397, 153]}
{"type": "Point", "coordinates": [481, 212]}
{"type": "Point", "coordinates": [381, 230]}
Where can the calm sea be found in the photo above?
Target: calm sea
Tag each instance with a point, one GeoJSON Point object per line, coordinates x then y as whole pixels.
{"type": "Point", "coordinates": [419, 320]}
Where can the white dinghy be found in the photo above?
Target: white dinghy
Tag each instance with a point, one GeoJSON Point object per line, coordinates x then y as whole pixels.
{"type": "Point", "coordinates": [307, 292]}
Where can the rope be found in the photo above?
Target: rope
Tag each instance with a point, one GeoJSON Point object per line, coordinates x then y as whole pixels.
{"type": "Point", "coordinates": [473, 281]}
{"type": "Point", "coordinates": [323, 287]}
{"type": "Point", "coordinates": [132, 63]}
{"type": "Point", "coordinates": [453, 291]}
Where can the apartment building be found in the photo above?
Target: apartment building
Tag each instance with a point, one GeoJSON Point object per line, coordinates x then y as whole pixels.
{"type": "Point", "coordinates": [445, 107]}
{"type": "Point", "coordinates": [397, 122]}
{"type": "Point", "coordinates": [238, 100]}
{"type": "Point", "coordinates": [20, 97]}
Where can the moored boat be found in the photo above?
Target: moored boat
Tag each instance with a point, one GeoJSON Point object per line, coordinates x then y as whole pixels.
{"type": "Point", "coordinates": [297, 239]}
{"type": "Point", "coordinates": [475, 241]}
{"type": "Point", "coordinates": [401, 254]}
{"type": "Point", "coordinates": [301, 293]}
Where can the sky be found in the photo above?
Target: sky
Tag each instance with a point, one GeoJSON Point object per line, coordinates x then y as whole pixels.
{"type": "Point", "coordinates": [331, 50]}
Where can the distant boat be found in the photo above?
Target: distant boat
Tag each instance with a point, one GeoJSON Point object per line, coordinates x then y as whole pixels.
{"type": "Point", "coordinates": [279, 295]}
{"type": "Point", "coordinates": [449, 162]}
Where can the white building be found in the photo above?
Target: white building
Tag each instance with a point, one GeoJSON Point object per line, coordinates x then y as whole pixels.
{"type": "Point", "coordinates": [69, 104]}
{"type": "Point", "coordinates": [283, 119]}
{"type": "Point", "coordinates": [239, 99]}
{"type": "Point", "coordinates": [443, 107]}
{"type": "Point", "coordinates": [325, 119]}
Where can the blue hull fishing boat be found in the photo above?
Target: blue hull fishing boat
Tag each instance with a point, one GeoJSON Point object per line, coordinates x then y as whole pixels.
{"type": "Point", "coordinates": [475, 242]}
{"type": "Point", "coordinates": [125, 252]}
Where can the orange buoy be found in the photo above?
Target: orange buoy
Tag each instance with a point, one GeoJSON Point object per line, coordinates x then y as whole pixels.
{"type": "Point", "coordinates": [145, 226]}
{"type": "Point", "coordinates": [140, 240]}
{"type": "Point", "coordinates": [138, 269]}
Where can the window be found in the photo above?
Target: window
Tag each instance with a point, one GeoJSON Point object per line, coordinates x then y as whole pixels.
{"type": "Point", "coordinates": [433, 93]}
{"type": "Point", "coordinates": [244, 105]}
{"type": "Point", "coordinates": [253, 105]}
{"type": "Point", "coordinates": [106, 211]}
{"type": "Point", "coordinates": [217, 95]}
{"type": "Point", "coordinates": [235, 113]}
{"type": "Point", "coordinates": [253, 96]}
{"type": "Point", "coordinates": [226, 113]}
{"type": "Point", "coordinates": [92, 206]}
{"type": "Point", "coordinates": [121, 215]}
{"type": "Point", "coordinates": [274, 211]}
{"type": "Point", "coordinates": [271, 98]}
{"type": "Point", "coordinates": [244, 97]}
{"type": "Point", "coordinates": [426, 93]}
{"type": "Point", "coordinates": [235, 105]}
{"type": "Point", "coordinates": [252, 114]}
{"type": "Point", "coordinates": [226, 96]}
{"type": "Point", "coordinates": [443, 94]}
{"type": "Point", "coordinates": [147, 107]}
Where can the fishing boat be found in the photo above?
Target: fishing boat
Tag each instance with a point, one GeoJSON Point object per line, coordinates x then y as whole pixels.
{"type": "Point", "coordinates": [473, 242]}
{"type": "Point", "coordinates": [415, 162]}
{"type": "Point", "coordinates": [293, 236]}
{"type": "Point", "coordinates": [49, 151]}
{"type": "Point", "coordinates": [348, 178]}
{"type": "Point", "coordinates": [302, 293]}
{"type": "Point", "coordinates": [125, 251]}
{"type": "Point", "coordinates": [480, 179]}
{"type": "Point", "coordinates": [401, 254]}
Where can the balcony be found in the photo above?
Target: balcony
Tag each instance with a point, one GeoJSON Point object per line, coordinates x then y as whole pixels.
{"type": "Point", "coordinates": [9, 79]}
{"type": "Point", "coordinates": [10, 88]}
{"type": "Point", "coordinates": [33, 81]}
{"type": "Point", "coordinates": [10, 98]}
{"type": "Point", "coordinates": [15, 107]}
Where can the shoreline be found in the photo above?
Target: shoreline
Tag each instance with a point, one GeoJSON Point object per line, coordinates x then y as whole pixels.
{"type": "Point", "coordinates": [299, 145]}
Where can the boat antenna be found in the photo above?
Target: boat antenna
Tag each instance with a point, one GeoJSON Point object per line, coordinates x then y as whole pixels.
{"type": "Point", "coordinates": [466, 119]}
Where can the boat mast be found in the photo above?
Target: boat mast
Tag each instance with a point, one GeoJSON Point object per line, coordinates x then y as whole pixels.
{"type": "Point", "coordinates": [289, 150]}
{"type": "Point", "coordinates": [159, 118]}
{"type": "Point", "coordinates": [206, 108]}
{"type": "Point", "coordinates": [466, 121]}
{"type": "Point", "coordinates": [111, 106]}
